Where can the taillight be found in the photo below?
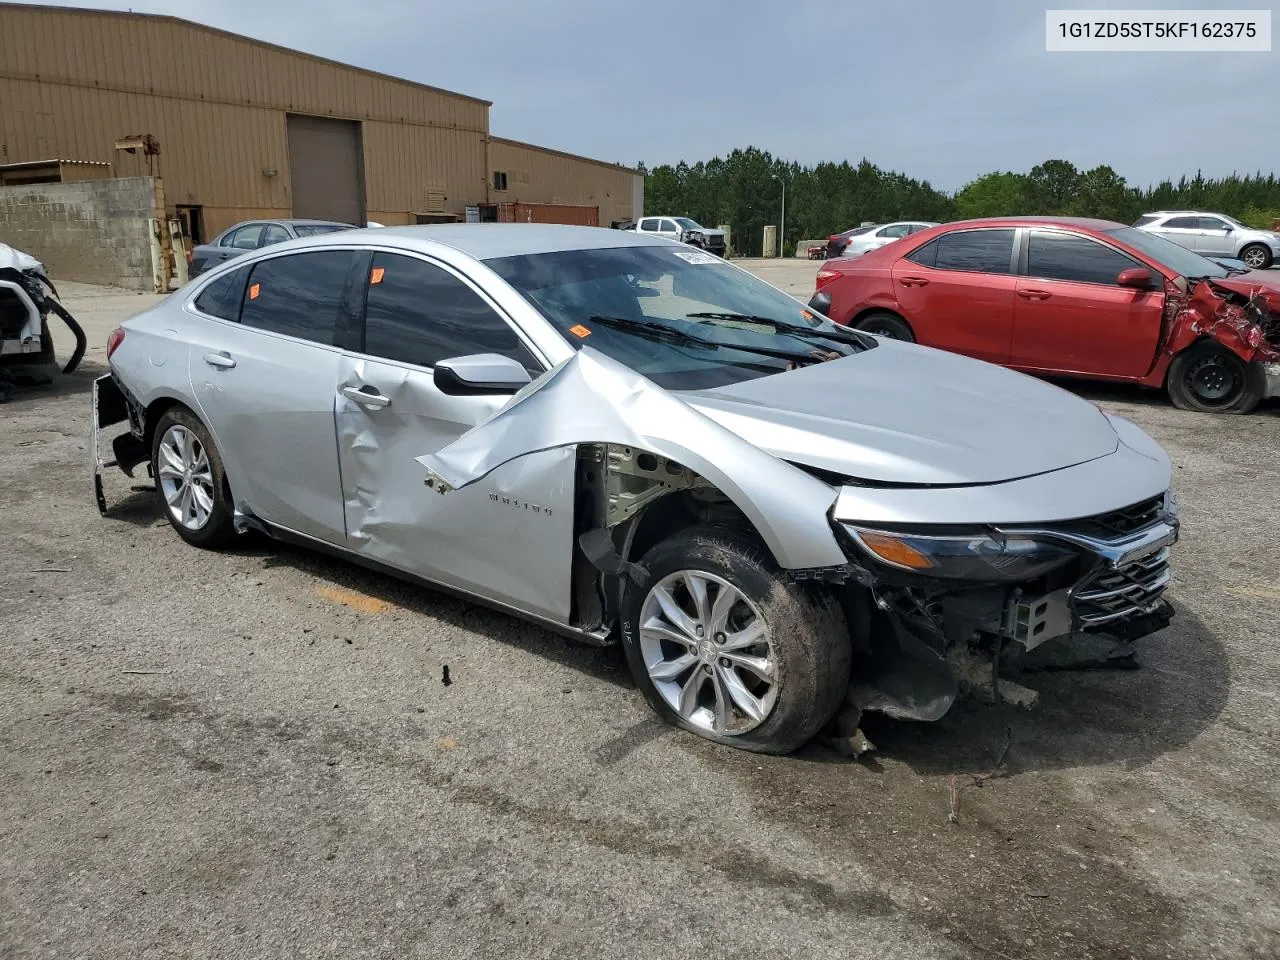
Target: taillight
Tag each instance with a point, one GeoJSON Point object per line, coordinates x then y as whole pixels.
{"type": "Point", "coordinates": [114, 339]}
{"type": "Point", "coordinates": [826, 276]}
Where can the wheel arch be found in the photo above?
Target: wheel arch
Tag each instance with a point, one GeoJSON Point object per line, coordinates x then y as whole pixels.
{"type": "Point", "coordinates": [868, 311]}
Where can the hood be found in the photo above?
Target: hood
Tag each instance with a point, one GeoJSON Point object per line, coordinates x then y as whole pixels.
{"type": "Point", "coordinates": [710, 231]}
{"type": "Point", "coordinates": [905, 414]}
{"type": "Point", "coordinates": [17, 260]}
{"type": "Point", "coordinates": [1246, 284]}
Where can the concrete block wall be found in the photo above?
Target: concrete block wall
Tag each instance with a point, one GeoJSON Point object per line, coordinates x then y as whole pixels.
{"type": "Point", "coordinates": [93, 231]}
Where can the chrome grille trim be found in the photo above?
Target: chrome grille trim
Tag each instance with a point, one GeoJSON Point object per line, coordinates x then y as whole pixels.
{"type": "Point", "coordinates": [1115, 593]}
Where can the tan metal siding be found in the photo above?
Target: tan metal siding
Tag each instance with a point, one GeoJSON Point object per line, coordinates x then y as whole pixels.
{"type": "Point", "coordinates": [156, 55]}
{"type": "Point", "coordinates": [539, 175]}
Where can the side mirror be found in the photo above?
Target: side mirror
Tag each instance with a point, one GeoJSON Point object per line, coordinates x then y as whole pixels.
{"type": "Point", "coordinates": [1136, 278]}
{"type": "Point", "coordinates": [480, 374]}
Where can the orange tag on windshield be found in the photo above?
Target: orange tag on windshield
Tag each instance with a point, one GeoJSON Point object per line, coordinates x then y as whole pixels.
{"type": "Point", "coordinates": [579, 331]}
{"type": "Point", "coordinates": [376, 275]}
{"type": "Point", "coordinates": [254, 290]}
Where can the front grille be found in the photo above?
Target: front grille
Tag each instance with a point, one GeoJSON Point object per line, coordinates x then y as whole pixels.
{"type": "Point", "coordinates": [1117, 523]}
{"type": "Point", "coordinates": [1122, 592]}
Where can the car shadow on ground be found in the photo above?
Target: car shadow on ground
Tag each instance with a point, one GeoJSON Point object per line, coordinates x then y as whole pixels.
{"type": "Point", "coordinates": [79, 381]}
{"type": "Point", "coordinates": [1084, 716]}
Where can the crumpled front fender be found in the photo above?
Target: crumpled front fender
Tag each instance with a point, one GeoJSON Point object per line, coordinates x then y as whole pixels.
{"type": "Point", "coordinates": [592, 399]}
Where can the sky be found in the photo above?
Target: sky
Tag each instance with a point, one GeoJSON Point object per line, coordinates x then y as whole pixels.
{"type": "Point", "coordinates": [944, 90]}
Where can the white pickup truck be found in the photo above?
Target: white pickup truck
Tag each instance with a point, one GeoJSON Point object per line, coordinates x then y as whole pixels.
{"type": "Point", "coordinates": [686, 231]}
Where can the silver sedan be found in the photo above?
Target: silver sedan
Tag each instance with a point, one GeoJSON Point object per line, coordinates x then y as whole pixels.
{"type": "Point", "coordinates": [784, 522]}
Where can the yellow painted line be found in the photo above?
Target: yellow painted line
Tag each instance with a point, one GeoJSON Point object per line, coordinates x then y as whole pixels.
{"type": "Point", "coordinates": [1258, 593]}
{"type": "Point", "coordinates": [353, 599]}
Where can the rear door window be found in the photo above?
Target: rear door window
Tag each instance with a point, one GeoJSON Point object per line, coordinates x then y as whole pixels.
{"type": "Point", "coordinates": [275, 234]}
{"type": "Point", "coordinates": [651, 225]}
{"type": "Point", "coordinates": [926, 256]}
{"type": "Point", "coordinates": [894, 231]}
{"type": "Point", "coordinates": [1052, 255]}
{"type": "Point", "coordinates": [975, 251]}
{"type": "Point", "coordinates": [298, 294]}
{"type": "Point", "coordinates": [420, 313]}
{"type": "Point", "coordinates": [247, 237]}
{"type": "Point", "coordinates": [222, 297]}
{"type": "Point", "coordinates": [1182, 223]}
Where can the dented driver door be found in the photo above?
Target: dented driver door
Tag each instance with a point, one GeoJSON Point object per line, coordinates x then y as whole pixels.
{"type": "Point", "coordinates": [509, 539]}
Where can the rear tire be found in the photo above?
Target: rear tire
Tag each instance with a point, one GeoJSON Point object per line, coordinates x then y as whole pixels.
{"type": "Point", "coordinates": [1209, 378]}
{"type": "Point", "coordinates": [1257, 256]}
{"type": "Point", "coordinates": [190, 480]}
{"type": "Point", "coordinates": [887, 325]}
{"type": "Point", "coordinates": [768, 695]}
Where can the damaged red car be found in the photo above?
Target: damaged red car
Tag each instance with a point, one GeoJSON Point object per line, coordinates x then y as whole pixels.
{"type": "Point", "coordinates": [1072, 297]}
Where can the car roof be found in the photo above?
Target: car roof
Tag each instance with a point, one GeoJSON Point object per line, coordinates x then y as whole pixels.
{"type": "Point", "coordinates": [488, 241]}
{"type": "Point", "coordinates": [1088, 223]}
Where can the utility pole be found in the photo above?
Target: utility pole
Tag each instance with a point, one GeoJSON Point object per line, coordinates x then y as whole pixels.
{"type": "Point", "coordinates": [782, 229]}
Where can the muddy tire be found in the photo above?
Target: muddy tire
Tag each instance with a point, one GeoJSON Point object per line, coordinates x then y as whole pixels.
{"type": "Point", "coordinates": [190, 480]}
{"type": "Point", "coordinates": [722, 644]}
{"type": "Point", "coordinates": [1257, 256]}
{"type": "Point", "coordinates": [887, 325]}
{"type": "Point", "coordinates": [1209, 378]}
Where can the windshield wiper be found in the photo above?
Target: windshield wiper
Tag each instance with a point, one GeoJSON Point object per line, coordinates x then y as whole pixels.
{"type": "Point", "coordinates": [660, 331]}
{"type": "Point", "coordinates": [782, 326]}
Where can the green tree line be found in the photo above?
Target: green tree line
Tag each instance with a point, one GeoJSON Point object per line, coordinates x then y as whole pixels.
{"type": "Point", "coordinates": [744, 190]}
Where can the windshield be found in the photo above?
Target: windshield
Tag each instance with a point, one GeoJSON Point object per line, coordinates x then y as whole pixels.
{"type": "Point", "coordinates": [660, 287]}
{"type": "Point", "coordinates": [1169, 254]}
{"type": "Point", "coordinates": [315, 229]}
{"type": "Point", "coordinates": [1234, 221]}
{"type": "Point", "coordinates": [688, 224]}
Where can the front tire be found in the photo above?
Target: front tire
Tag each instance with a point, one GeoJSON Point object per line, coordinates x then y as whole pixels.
{"type": "Point", "coordinates": [1209, 378]}
{"type": "Point", "coordinates": [190, 480]}
{"type": "Point", "coordinates": [887, 325]}
{"type": "Point", "coordinates": [1257, 256]}
{"type": "Point", "coordinates": [722, 644]}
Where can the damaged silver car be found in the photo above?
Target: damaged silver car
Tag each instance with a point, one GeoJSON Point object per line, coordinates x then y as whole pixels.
{"type": "Point", "coordinates": [627, 440]}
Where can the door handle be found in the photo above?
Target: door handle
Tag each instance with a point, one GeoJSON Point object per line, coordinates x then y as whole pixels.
{"type": "Point", "coordinates": [366, 396]}
{"type": "Point", "coordinates": [913, 281]}
{"type": "Point", "coordinates": [221, 359]}
{"type": "Point", "coordinates": [1034, 294]}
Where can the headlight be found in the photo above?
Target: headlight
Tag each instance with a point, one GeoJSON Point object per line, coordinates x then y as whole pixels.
{"type": "Point", "coordinates": [977, 556]}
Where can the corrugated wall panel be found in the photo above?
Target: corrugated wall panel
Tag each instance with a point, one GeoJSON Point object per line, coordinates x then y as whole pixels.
{"type": "Point", "coordinates": [128, 53]}
{"type": "Point", "coordinates": [554, 177]}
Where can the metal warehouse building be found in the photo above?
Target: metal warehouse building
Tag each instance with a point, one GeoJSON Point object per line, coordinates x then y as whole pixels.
{"type": "Point", "coordinates": [245, 129]}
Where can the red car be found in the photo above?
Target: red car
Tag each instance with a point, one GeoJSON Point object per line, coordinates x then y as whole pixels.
{"type": "Point", "coordinates": [1072, 297]}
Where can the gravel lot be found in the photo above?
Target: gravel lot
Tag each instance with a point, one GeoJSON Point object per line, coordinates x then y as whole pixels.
{"type": "Point", "coordinates": [252, 754]}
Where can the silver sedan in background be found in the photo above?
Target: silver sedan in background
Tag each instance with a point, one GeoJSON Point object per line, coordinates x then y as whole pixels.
{"type": "Point", "coordinates": [629, 440]}
{"type": "Point", "coordinates": [250, 235]}
{"type": "Point", "coordinates": [862, 242]}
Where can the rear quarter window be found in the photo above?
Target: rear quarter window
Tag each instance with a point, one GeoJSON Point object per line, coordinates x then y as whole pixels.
{"type": "Point", "coordinates": [222, 297]}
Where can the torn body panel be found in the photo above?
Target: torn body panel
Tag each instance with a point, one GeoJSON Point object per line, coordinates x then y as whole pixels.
{"type": "Point", "coordinates": [1246, 323]}
{"type": "Point", "coordinates": [591, 399]}
{"type": "Point", "coordinates": [508, 536]}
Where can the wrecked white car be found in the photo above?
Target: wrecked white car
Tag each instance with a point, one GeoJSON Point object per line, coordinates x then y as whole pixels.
{"type": "Point", "coordinates": [27, 297]}
{"type": "Point", "coordinates": [629, 440]}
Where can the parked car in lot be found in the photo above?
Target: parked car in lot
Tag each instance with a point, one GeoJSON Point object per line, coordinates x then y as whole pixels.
{"type": "Point", "coordinates": [1214, 235]}
{"type": "Point", "coordinates": [627, 441]}
{"type": "Point", "coordinates": [1072, 297]}
{"type": "Point", "coordinates": [855, 243]}
{"type": "Point", "coordinates": [254, 234]}
{"type": "Point", "coordinates": [684, 230]}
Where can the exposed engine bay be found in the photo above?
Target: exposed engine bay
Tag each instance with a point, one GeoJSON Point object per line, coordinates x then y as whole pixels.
{"type": "Point", "coordinates": [27, 297]}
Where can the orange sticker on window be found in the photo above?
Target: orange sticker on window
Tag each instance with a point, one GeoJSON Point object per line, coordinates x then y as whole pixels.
{"type": "Point", "coordinates": [376, 275]}
{"type": "Point", "coordinates": [254, 290]}
{"type": "Point", "coordinates": [578, 330]}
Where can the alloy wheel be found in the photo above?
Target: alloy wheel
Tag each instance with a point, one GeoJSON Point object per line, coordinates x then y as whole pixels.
{"type": "Point", "coordinates": [186, 478]}
{"type": "Point", "coordinates": [707, 650]}
{"type": "Point", "coordinates": [1255, 257]}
